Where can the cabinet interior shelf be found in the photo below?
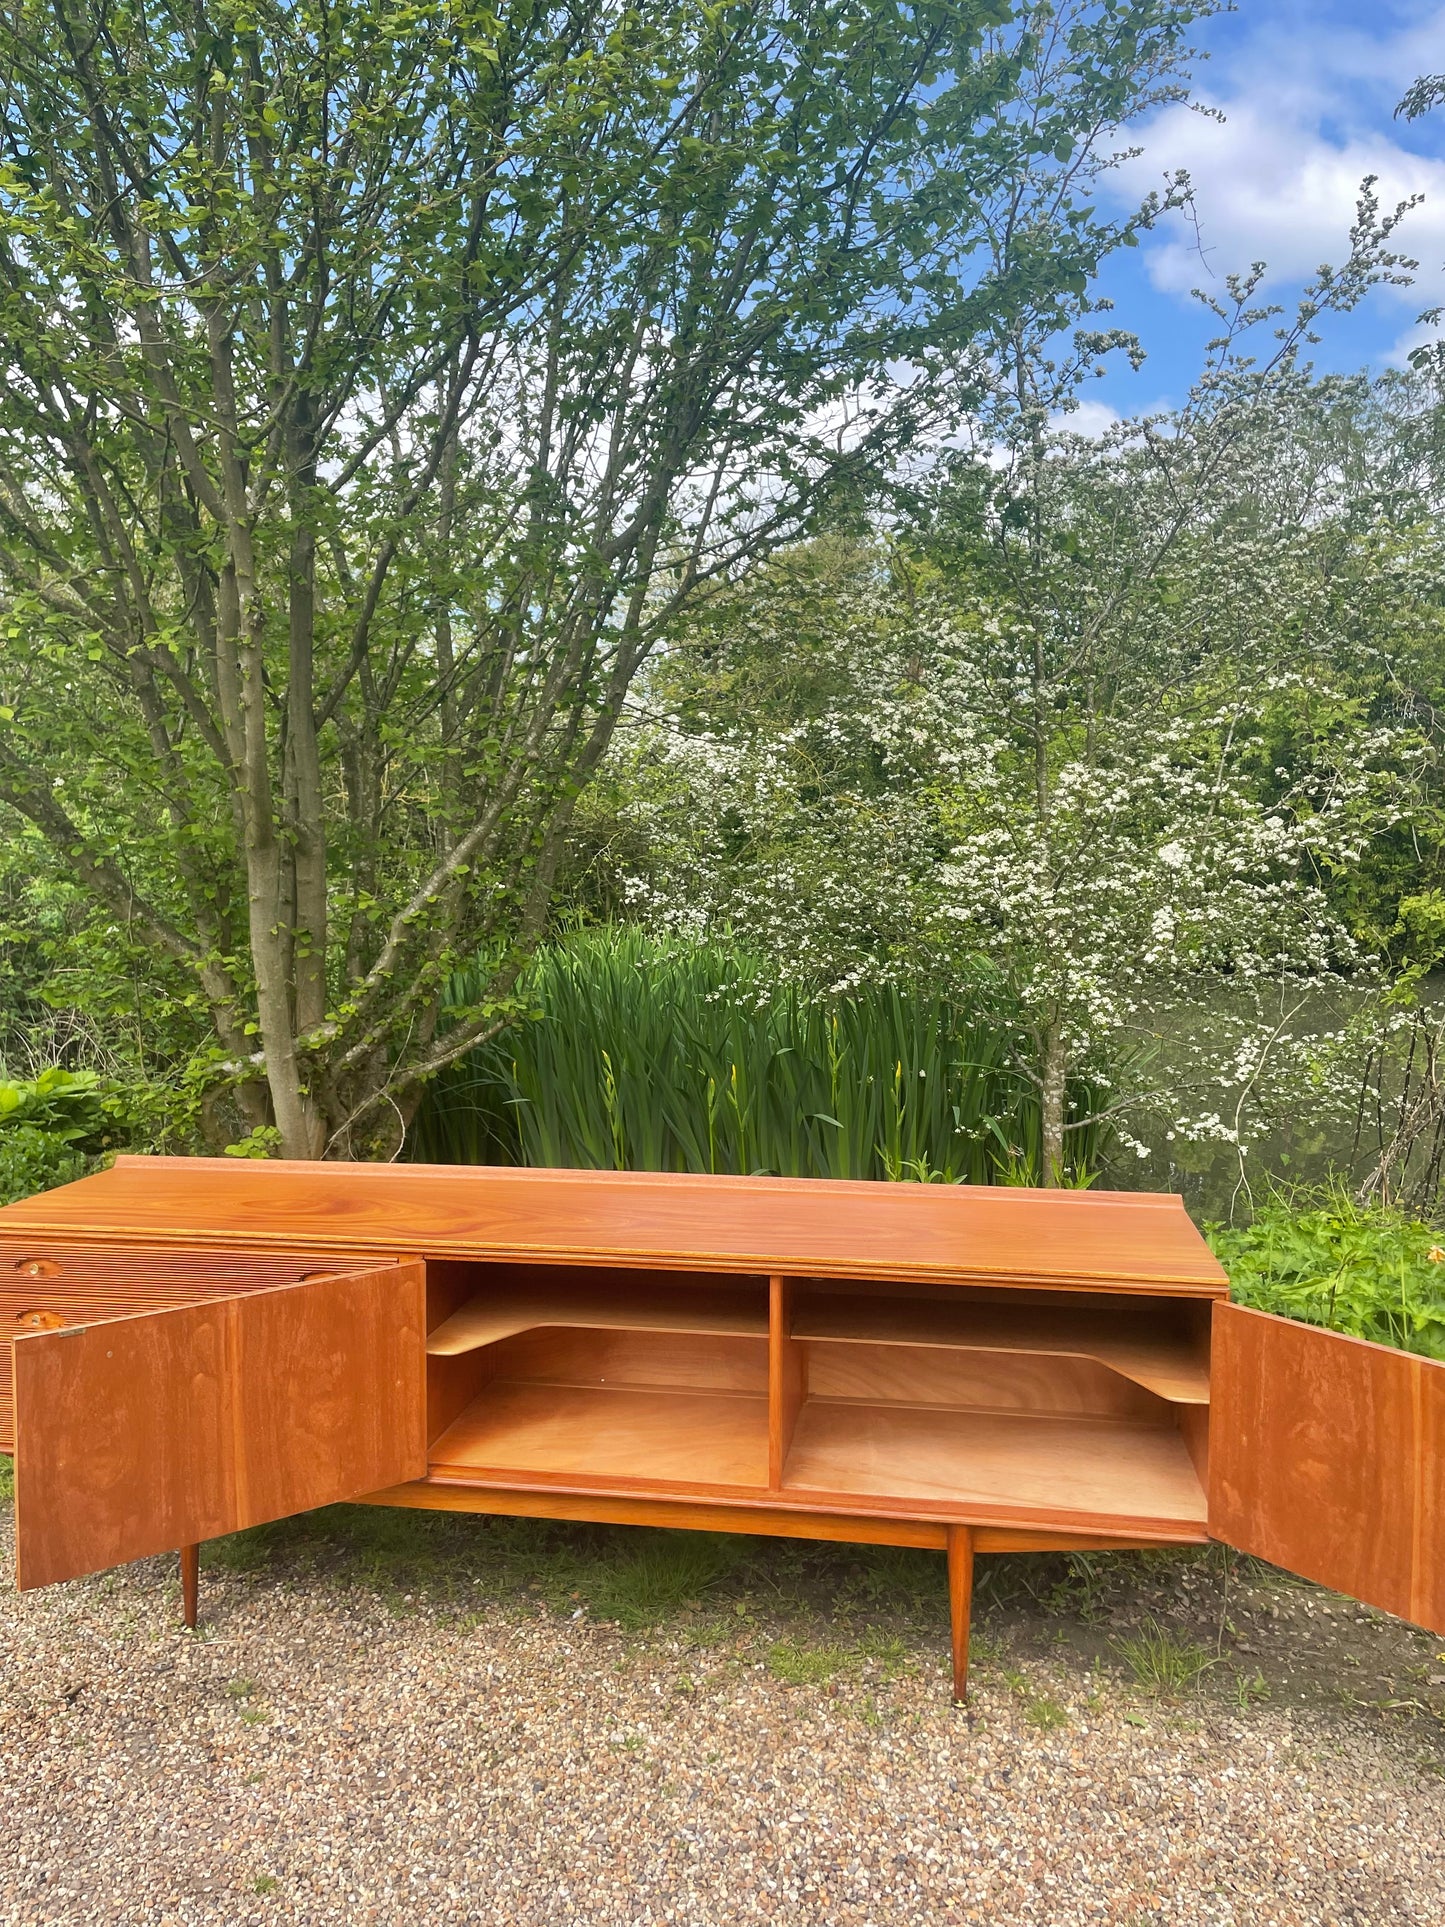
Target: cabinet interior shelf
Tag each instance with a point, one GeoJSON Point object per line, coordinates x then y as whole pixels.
{"type": "Point", "coordinates": [628, 1434]}
{"type": "Point", "coordinates": [720, 1311]}
{"type": "Point", "coordinates": [1099, 1468]}
{"type": "Point", "coordinates": [1153, 1353]}
{"type": "Point", "coordinates": [915, 1457]}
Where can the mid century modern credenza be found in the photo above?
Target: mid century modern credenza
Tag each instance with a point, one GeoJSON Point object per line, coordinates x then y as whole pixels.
{"type": "Point", "coordinates": [200, 1345]}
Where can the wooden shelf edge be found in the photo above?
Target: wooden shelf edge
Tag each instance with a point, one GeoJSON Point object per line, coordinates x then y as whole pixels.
{"type": "Point", "coordinates": [710, 1515]}
{"type": "Point", "coordinates": [485, 1321]}
{"type": "Point", "coordinates": [327, 1242]}
{"type": "Point", "coordinates": [1183, 1383]}
{"type": "Point", "coordinates": [1123, 1528]}
{"type": "Point", "coordinates": [723, 1516]}
{"type": "Point", "coordinates": [523, 1480]}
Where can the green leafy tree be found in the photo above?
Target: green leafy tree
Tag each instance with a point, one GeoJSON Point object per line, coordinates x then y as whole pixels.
{"type": "Point", "coordinates": [377, 385]}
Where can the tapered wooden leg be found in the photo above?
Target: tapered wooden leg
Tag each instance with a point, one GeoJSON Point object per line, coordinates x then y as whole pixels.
{"type": "Point", "coordinates": [190, 1583]}
{"type": "Point", "coordinates": [960, 1603]}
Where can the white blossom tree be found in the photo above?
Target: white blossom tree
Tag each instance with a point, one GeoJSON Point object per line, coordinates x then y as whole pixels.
{"type": "Point", "coordinates": [1137, 780]}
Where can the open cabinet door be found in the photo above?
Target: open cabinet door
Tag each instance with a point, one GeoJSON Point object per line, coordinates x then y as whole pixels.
{"type": "Point", "coordinates": [139, 1435]}
{"type": "Point", "coordinates": [1327, 1457]}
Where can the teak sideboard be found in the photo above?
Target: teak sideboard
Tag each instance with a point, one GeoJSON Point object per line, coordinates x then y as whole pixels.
{"type": "Point", "coordinates": [199, 1345]}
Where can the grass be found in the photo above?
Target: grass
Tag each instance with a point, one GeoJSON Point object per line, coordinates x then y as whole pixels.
{"type": "Point", "coordinates": [642, 1054]}
{"type": "Point", "coordinates": [630, 1576]}
{"type": "Point", "coordinates": [667, 1573]}
{"type": "Point", "coordinates": [1162, 1661]}
{"type": "Point", "coordinates": [807, 1665]}
{"type": "Point", "coordinates": [1040, 1709]}
{"type": "Point", "coordinates": [1325, 1259]}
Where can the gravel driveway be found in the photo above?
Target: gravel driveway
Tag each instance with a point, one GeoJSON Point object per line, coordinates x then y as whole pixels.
{"type": "Point", "coordinates": [392, 1723]}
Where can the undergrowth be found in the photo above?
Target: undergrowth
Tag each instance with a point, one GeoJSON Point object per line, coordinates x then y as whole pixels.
{"type": "Point", "coordinates": [1328, 1260]}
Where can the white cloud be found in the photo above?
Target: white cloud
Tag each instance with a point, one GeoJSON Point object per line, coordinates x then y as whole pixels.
{"type": "Point", "coordinates": [1306, 119]}
{"type": "Point", "coordinates": [1268, 189]}
{"type": "Point", "coordinates": [1091, 417]}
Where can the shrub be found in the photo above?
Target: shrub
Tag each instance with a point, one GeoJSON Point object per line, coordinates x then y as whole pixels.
{"type": "Point", "coordinates": [52, 1129]}
{"type": "Point", "coordinates": [33, 1160]}
{"type": "Point", "coordinates": [1361, 1269]}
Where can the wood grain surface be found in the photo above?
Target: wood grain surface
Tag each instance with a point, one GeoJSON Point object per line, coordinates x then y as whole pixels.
{"type": "Point", "coordinates": [787, 1378]}
{"type": "Point", "coordinates": [152, 1432]}
{"type": "Point", "coordinates": [1020, 1382]}
{"type": "Point", "coordinates": [960, 1604]}
{"type": "Point", "coordinates": [442, 1493]}
{"type": "Point", "coordinates": [1111, 1473]}
{"type": "Point", "coordinates": [54, 1286]}
{"type": "Point", "coordinates": [1144, 1341]}
{"type": "Point", "coordinates": [583, 1434]}
{"type": "Point", "coordinates": [797, 1226]}
{"type": "Point", "coordinates": [661, 1361]}
{"type": "Point", "coordinates": [1327, 1456]}
{"type": "Point", "coordinates": [625, 1301]}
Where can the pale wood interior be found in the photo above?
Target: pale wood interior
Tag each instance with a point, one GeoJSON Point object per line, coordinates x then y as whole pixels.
{"type": "Point", "coordinates": [587, 1434]}
{"type": "Point", "coordinates": [505, 1300]}
{"type": "Point", "coordinates": [1158, 1345]}
{"type": "Point", "coordinates": [1049, 1403]}
{"type": "Point", "coordinates": [1015, 1383]}
{"type": "Point", "coordinates": [931, 1456]}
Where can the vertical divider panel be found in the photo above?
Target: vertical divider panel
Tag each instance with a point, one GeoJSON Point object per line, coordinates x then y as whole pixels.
{"type": "Point", "coordinates": [787, 1378]}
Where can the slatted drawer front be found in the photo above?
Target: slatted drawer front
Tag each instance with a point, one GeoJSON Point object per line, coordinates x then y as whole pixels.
{"type": "Point", "coordinates": [45, 1287]}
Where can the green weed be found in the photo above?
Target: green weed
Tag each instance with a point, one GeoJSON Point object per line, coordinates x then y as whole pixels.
{"type": "Point", "coordinates": [899, 1577]}
{"type": "Point", "coordinates": [7, 1477]}
{"type": "Point", "coordinates": [1040, 1709]}
{"type": "Point", "coordinates": [1044, 1712]}
{"type": "Point", "coordinates": [1162, 1661]}
{"type": "Point", "coordinates": [1249, 1688]}
{"type": "Point", "coordinates": [797, 1665]}
{"type": "Point", "coordinates": [891, 1654]}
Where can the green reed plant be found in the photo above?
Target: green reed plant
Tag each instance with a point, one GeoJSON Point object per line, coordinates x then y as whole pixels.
{"type": "Point", "coordinates": [660, 1055]}
{"type": "Point", "coordinates": [1325, 1258]}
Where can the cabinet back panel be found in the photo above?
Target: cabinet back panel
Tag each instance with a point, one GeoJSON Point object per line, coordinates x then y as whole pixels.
{"type": "Point", "coordinates": [466, 1277]}
{"type": "Point", "coordinates": [978, 1381]}
{"type": "Point", "coordinates": [1162, 1305]}
{"type": "Point", "coordinates": [562, 1355]}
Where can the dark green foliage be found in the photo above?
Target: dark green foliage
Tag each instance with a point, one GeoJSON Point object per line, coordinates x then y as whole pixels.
{"type": "Point", "coordinates": [32, 1160]}
{"type": "Point", "coordinates": [1361, 1269]}
{"type": "Point", "coordinates": [52, 1129]}
{"type": "Point", "coordinates": [72, 1107]}
{"type": "Point", "coordinates": [667, 1056]}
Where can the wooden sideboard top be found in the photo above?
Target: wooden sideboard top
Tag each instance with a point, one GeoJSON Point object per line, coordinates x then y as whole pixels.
{"type": "Point", "coordinates": [1124, 1240]}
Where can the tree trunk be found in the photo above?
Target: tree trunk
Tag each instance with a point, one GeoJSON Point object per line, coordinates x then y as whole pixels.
{"type": "Point", "coordinates": [1052, 1082]}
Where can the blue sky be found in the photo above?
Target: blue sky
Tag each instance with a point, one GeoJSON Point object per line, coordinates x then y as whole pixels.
{"type": "Point", "coordinates": [1307, 89]}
